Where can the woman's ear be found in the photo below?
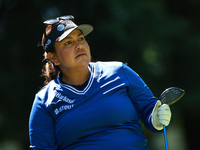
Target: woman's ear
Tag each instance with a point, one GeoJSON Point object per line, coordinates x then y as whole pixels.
{"type": "Point", "coordinates": [52, 57]}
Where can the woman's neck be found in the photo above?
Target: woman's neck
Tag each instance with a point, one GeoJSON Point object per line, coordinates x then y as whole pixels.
{"type": "Point", "coordinates": [76, 77]}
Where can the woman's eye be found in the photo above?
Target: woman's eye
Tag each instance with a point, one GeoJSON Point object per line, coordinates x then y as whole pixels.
{"type": "Point", "coordinates": [67, 43]}
{"type": "Point", "coordinates": [82, 39]}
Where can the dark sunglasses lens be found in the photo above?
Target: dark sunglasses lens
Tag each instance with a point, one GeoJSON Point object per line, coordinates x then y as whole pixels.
{"type": "Point", "coordinates": [69, 17]}
{"type": "Point", "coordinates": [50, 21]}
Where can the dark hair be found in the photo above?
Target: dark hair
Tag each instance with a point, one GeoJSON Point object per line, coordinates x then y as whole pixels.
{"type": "Point", "coordinates": [49, 70]}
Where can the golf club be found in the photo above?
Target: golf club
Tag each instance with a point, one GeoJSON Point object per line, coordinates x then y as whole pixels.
{"type": "Point", "coordinates": [170, 96]}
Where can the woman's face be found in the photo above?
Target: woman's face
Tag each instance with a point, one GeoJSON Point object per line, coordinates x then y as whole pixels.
{"type": "Point", "coordinates": [72, 52]}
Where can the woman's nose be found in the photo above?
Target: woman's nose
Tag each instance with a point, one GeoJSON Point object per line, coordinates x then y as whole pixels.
{"type": "Point", "coordinates": [78, 45]}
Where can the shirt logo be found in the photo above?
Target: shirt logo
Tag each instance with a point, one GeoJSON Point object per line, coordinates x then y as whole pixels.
{"type": "Point", "coordinates": [64, 98]}
{"type": "Point", "coordinates": [62, 108]}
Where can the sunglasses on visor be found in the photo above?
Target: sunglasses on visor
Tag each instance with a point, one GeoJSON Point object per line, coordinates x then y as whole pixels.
{"type": "Point", "coordinates": [56, 27]}
{"type": "Point", "coordinates": [56, 20]}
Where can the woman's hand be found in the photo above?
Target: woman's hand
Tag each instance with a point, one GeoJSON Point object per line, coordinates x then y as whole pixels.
{"type": "Point", "coordinates": [161, 115]}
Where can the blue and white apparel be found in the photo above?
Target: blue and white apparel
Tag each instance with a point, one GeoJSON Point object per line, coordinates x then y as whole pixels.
{"type": "Point", "coordinates": [103, 116]}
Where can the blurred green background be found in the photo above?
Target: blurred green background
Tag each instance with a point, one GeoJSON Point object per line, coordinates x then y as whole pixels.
{"type": "Point", "coordinates": [159, 39]}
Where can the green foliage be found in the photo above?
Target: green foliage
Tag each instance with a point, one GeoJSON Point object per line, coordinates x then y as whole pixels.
{"type": "Point", "coordinates": [159, 41]}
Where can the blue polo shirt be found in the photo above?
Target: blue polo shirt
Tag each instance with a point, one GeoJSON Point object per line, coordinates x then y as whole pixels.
{"type": "Point", "coordinates": [105, 115]}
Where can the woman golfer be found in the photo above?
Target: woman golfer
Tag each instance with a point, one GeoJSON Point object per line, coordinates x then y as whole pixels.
{"type": "Point", "coordinates": [88, 105]}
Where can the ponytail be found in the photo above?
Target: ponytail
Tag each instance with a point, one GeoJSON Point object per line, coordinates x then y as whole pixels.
{"type": "Point", "coordinates": [49, 70]}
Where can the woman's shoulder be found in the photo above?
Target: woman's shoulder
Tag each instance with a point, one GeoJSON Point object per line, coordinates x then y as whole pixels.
{"type": "Point", "coordinates": [42, 90]}
{"type": "Point", "coordinates": [46, 90]}
{"type": "Point", "coordinates": [108, 64]}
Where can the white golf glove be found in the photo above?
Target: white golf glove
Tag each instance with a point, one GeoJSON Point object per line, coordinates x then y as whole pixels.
{"type": "Point", "coordinates": [161, 115]}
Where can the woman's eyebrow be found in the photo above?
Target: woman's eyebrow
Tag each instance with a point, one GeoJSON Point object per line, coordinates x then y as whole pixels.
{"type": "Point", "coordinates": [69, 37]}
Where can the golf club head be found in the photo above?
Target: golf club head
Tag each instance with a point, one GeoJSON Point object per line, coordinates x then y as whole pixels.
{"type": "Point", "coordinates": [171, 95]}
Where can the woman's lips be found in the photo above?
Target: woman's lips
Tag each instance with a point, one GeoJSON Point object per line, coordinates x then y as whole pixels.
{"type": "Point", "coordinates": [80, 54]}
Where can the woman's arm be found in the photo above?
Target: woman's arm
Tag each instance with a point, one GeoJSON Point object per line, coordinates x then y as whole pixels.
{"type": "Point", "coordinates": [41, 127]}
{"type": "Point", "coordinates": [141, 96]}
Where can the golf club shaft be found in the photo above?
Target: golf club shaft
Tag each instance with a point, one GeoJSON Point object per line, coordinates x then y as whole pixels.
{"type": "Point", "coordinates": [170, 96]}
{"type": "Point", "coordinates": [165, 135]}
